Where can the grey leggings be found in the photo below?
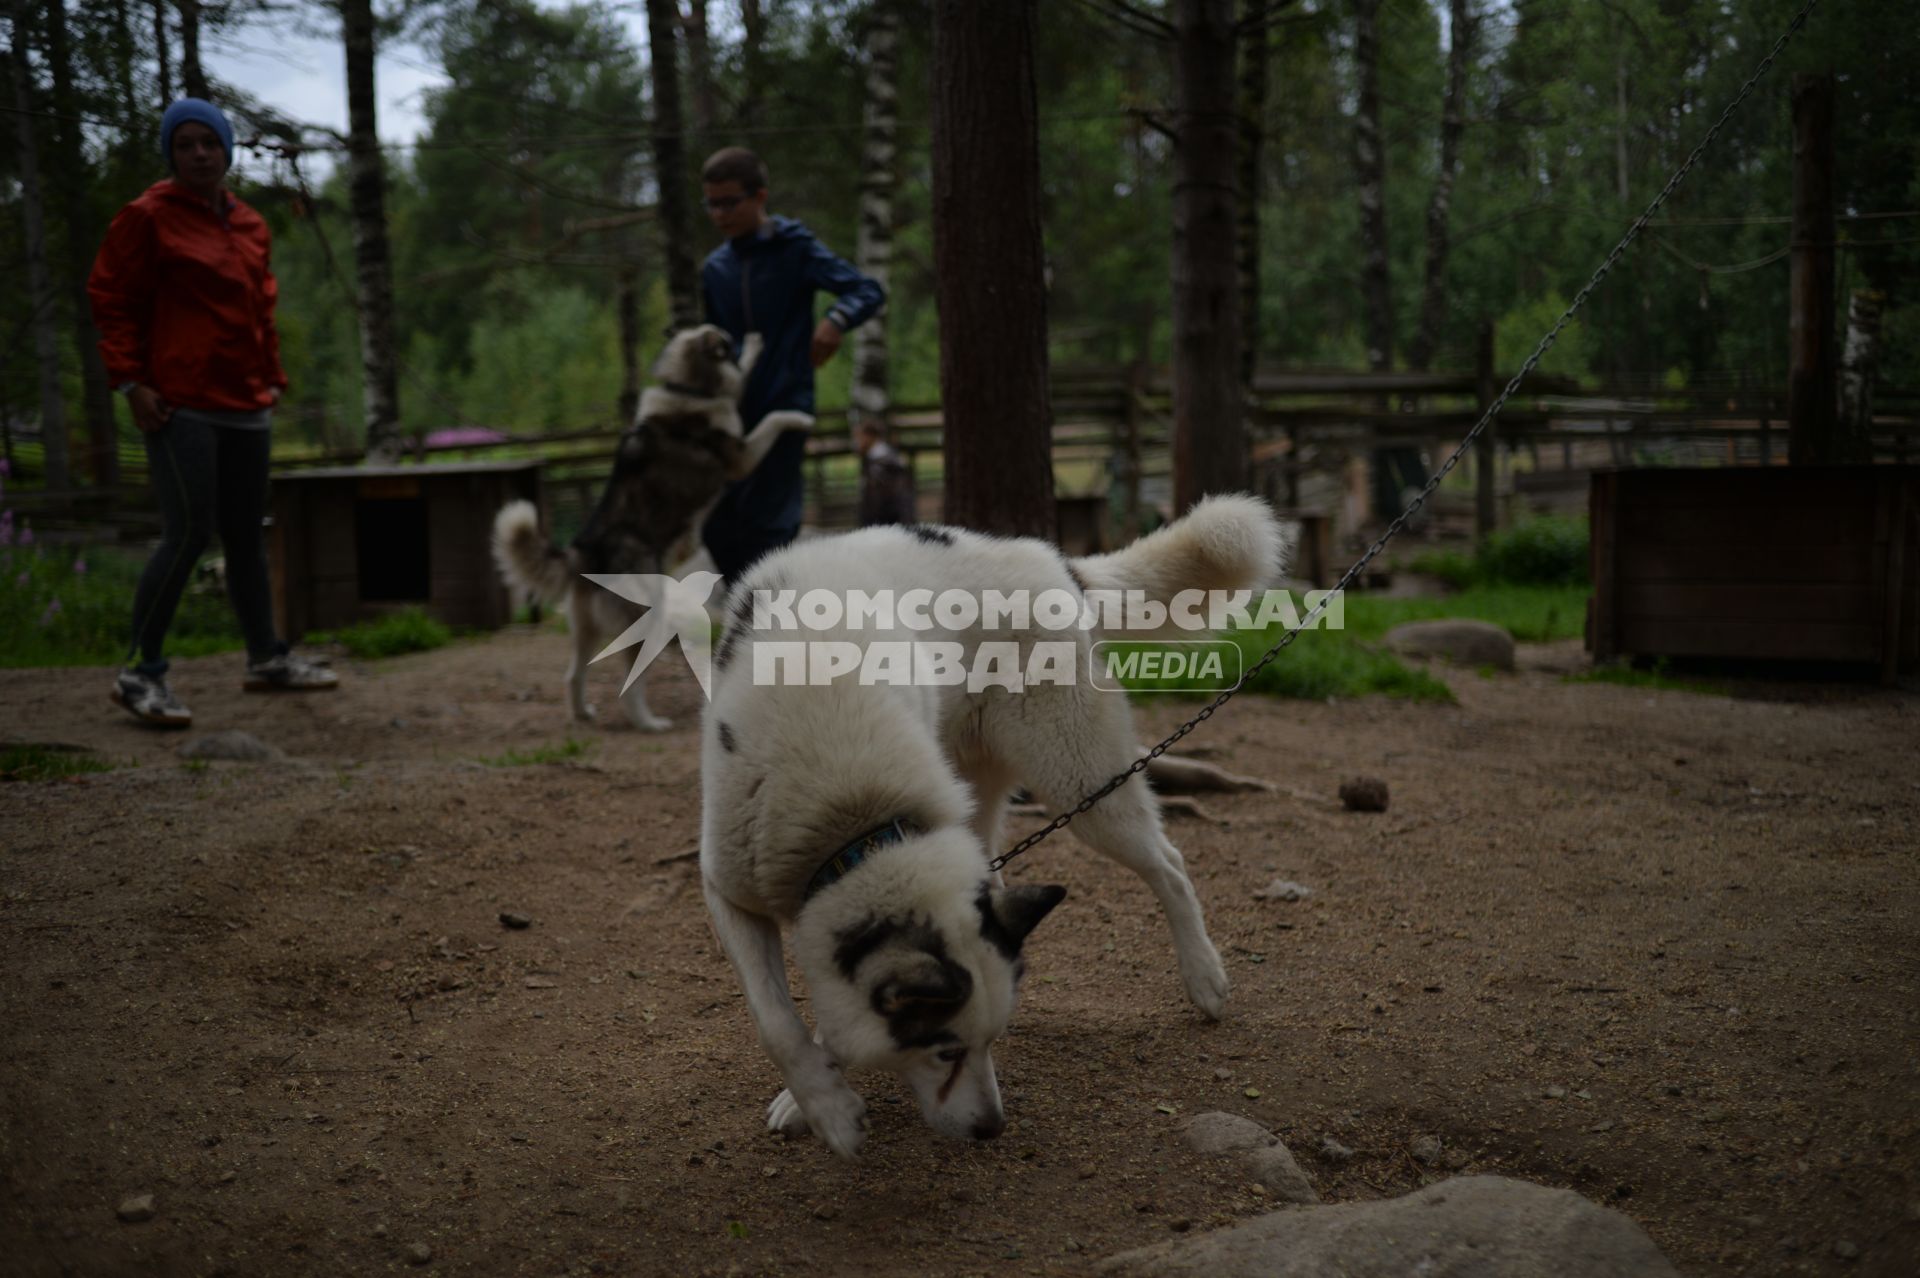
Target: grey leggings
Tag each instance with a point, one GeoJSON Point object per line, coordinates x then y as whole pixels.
{"type": "Point", "coordinates": [209, 479]}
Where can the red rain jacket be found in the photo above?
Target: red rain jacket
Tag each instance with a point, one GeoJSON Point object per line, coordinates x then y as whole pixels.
{"type": "Point", "coordinates": [183, 299]}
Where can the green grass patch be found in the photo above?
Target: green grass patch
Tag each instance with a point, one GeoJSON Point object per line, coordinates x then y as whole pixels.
{"type": "Point", "coordinates": [69, 607]}
{"type": "Point", "coordinates": [397, 633]}
{"type": "Point", "coordinates": [1544, 551]}
{"type": "Point", "coordinates": [1658, 676]}
{"type": "Point", "coordinates": [1531, 614]}
{"type": "Point", "coordinates": [565, 752]}
{"type": "Point", "coordinates": [48, 763]}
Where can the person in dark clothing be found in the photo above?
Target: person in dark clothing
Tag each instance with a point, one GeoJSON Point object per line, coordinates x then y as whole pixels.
{"type": "Point", "coordinates": [183, 297]}
{"type": "Point", "coordinates": [763, 280]}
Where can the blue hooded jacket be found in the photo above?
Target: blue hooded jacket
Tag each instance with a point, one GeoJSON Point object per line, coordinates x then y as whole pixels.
{"type": "Point", "coordinates": [765, 284]}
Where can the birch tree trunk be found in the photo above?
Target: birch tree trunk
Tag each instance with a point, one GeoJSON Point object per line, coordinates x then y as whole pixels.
{"type": "Point", "coordinates": [68, 171]}
{"type": "Point", "coordinates": [989, 268]}
{"type": "Point", "coordinates": [873, 250]}
{"type": "Point", "coordinates": [46, 342]}
{"type": "Point", "coordinates": [700, 70]}
{"type": "Point", "coordinates": [1859, 368]}
{"type": "Point", "coordinates": [192, 79]}
{"type": "Point", "coordinates": [670, 164]}
{"type": "Point", "coordinates": [1370, 176]}
{"type": "Point", "coordinates": [373, 259]}
{"type": "Point", "coordinates": [1253, 116]}
{"type": "Point", "coordinates": [1433, 294]}
{"type": "Point", "coordinates": [1209, 440]}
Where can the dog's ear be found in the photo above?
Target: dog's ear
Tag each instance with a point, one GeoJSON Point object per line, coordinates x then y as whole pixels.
{"type": "Point", "coordinates": [1007, 915]}
{"type": "Point", "coordinates": [720, 346]}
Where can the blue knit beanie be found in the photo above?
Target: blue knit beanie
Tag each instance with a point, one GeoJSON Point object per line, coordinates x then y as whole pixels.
{"type": "Point", "coordinates": [199, 112]}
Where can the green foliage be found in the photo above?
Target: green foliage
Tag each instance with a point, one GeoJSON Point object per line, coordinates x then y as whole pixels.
{"type": "Point", "coordinates": [1659, 677]}
{"type": "Point", "coordinates": [565, 752]}
{"type": "Point", "coordinates": [396, 633]}
{"type": "Point", "coordinates": [69, 607]}
{"type": "Point", "coordinates": [47, 763]}
{"type": "Point", "coordinates": [1544, 551]}
{"type": "Point", "coordinates": [1531, 614]}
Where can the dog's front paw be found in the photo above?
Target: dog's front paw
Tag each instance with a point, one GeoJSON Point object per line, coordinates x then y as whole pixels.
{"type": "Point", "coordinates": [584, 713]}
{"type": "Point", "coordinates": [750, 349]}
{"type": "Point", "coordinates": [784, 1116]}
{"type": "Point", "coordinates": [837, 1116]}
{"type": "Point", "coordinates": [1207, 982]}
{"type": "Point", "coordinates": [646, 721]}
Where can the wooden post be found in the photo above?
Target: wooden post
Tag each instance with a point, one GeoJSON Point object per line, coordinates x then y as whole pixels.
{"type": "Point", "coordinates": [1486, 515]}
{"type": "Point", "coordinates": [1136, 387]}
{"type": "Point", "coordinates": [1810, 352]}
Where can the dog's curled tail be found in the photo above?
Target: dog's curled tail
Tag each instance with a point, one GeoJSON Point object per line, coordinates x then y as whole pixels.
{"type": "Point", "coordinates": [528, 562]}
{"type": "Point", "coordinates": [1226, 543]}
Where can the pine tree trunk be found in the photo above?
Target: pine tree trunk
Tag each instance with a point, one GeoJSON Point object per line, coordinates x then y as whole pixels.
{"type": "Point", "coordinates": [1370, 175]}
{"type": "Point", "coordinates": [627, 310]}
{"type": "Point", "coordinates": [367, 186]}
{"type": "Point", "coordinates": [123, 54]}
{"type": "Point", "coordinates": [46, 341]}
{"type": "Point", "coordinates": [700, 70]}
{"type": "Point", "coordinates": [1433, 294]}
{"type": "Point", "coordinates": [1253, 116]}
{"type": "Point", "coordinates": [1209, 439]}
{"type": "Point", "coordinates": [163, 72]}
{"type": "Point", "coordinates": [873, 252]}
{"type": "Point", "coordinates": [753, 40]}
{"type": "Point", "coordinates": [68, 171]}
{"type": "Point", "coordinates": [670, 164]}
{"type": "Point", "coordinates": [989, 281]}
{"type": "Point", "coordinates": [192, 79]}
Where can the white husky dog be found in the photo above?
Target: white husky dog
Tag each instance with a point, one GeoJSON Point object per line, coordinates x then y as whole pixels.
{"type": "Point", "coordinates": [862, 815]}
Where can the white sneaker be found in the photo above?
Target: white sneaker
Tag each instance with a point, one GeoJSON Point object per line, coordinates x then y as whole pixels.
{"type": "Point", "coordinates": [147, 698]}
{"type": "Point", "coordinates": [288, 672]}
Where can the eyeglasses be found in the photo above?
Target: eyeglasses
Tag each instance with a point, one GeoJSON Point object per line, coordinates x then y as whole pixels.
{"type": "Point", "coordinates": [723, 204]}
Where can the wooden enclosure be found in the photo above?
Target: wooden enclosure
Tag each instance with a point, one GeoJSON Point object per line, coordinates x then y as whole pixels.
{"type": "Point", "coordinates": [351, 543]}
{"type": "Point", "coordinates": [1801, 563]}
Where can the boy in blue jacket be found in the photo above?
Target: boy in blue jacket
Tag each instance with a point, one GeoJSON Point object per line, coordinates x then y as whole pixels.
{"type": "Point", "coordinates": [763, 280]}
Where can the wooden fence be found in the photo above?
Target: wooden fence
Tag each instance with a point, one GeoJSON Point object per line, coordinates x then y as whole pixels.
{"type": "Point", "coordinates": [1312, 437]}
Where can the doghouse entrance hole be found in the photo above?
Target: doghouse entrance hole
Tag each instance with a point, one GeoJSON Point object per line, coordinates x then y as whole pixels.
{"type": "Point", "coordinates": [391, 537]}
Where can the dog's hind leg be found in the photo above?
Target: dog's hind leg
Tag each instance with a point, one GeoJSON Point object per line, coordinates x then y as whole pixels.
{"type": "Point", "coordinates": [583, 633]}
{"type": "Point", "coordinates": [815, 1086]}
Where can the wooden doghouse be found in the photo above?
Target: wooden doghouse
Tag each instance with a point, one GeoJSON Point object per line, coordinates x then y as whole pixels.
{"type": "Point", "coordinates": [351, 543]}
{"type": "Point", "coordinates": [1788, 563]}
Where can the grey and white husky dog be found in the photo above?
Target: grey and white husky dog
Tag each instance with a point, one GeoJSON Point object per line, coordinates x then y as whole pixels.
{"type": "Point", "coordinates": [861, 816]}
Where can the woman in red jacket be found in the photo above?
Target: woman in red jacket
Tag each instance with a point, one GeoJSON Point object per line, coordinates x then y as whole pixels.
{"type": "Point", "coordinates": [183, 298]}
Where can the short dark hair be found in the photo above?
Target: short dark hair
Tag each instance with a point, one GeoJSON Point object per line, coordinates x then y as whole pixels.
{"type": "Point", "coordinates": [736, 164]}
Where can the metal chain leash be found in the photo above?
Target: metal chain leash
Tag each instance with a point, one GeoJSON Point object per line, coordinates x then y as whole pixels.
{"type": "Point", "coordinates": [1433, 481]}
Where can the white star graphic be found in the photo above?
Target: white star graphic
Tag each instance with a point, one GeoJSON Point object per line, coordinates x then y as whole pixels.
{"type": "Point", "coordinates": [673, 607]}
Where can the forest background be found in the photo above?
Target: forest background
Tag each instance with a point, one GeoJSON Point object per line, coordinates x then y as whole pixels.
{"type": "Point", "coordinates": [521, 218]}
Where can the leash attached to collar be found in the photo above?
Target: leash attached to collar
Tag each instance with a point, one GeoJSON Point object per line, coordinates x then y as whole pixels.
{"type": "Point", "coordinates": [843, 862]}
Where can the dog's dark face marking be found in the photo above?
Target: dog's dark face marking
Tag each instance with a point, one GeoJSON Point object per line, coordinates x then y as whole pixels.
{"type": "Point", "coordinates": [917, 987]}
{"type": "Point", "coordinates": [726, 739]}
{"type": "Point", "coordinates": [739, 623]}
{"type": "Point", "coordinates": [931, 534]}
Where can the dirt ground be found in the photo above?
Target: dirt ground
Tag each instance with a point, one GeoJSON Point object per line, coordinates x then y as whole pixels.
{"type": "Point", "coordinates": [1656, 947]}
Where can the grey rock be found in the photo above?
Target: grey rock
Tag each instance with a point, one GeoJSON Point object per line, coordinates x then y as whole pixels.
{"type": "Point", "coordinates": [232, 746]}
{"type": "Point", "coordinates": [1333, 1151]}
{"type": "Point", "coordinates": [136, 1209]}
{"type": "Point", "coordinates": [1283, 890]}
{"type": "Point", "coordinates": [1259, 1152]}
{"type": "Point", "coordinates": [1426, 1149]}
{"type": "Point", "coordinates": [1461, 641]}
{"type": "Point", "coordinates": [514, 919]}
{"type": "Point", "coordinates": [1846, 1250]}
{"type": "Point", "coordinates": [419, 1254]}
{"type": "Point", "coordinates": [1467, 1227]}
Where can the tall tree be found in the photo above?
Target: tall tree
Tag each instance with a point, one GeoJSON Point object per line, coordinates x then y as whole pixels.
{"type": "Point", "coordinates": [46, 342]}
{"type": "Point", "coordinates": [68, 170]}
{"type": "Point", "coordinates": [1370, 179]}
{"type": "Point", "coordinates": [753, 62]}
{"type": "Point", "coordinates": [1253, 115]}
{"type": "Point", "coordinates": [163, 69]}
{"type": "Point", "coordinates": [670, 163]}
{"type": "Point", "coordinates": [989, 268]}
{"type": "Point", "coordinates": [373, 258]}
{"type": "Point", "coordinates": [1209, 436]}
{"type": "Point", "coordinates": [192, 79]}
{"type": "Point", "coordinates": [701, 96]}
{"type": "Point", "coordinates": [1433, 293]}
{"type": "Point", "coordinates": [873, 252]}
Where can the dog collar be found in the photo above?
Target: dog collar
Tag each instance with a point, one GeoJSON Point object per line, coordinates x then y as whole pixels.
{"type": "Point", "coordinates": [843, 862]}
{"type": "Point", "coordinates": [691, 392]}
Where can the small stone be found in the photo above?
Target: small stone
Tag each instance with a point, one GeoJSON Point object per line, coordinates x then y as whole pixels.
{"type": "Point", "coordinates": [514, 919]}
{"type": "Point", "coordinates": [1283, 890]}
{"type": "Point", "coordinates": [419, 1253]}
{"type": "Point", "coordinates": [1364, 794]}
{"type": "Point", "coordinates": [1333, 1151]}
{"type": "Point", "coordinates": [1846, 1250]}
{"type": "Point", "coordinates": [1426, 1149]}
{"type": "Point", "coordinates": [232, 746]}
{"type": "Point", "coordinates": [1252, 1093]}
{"type": "Point", "coordinates": [1455, 1159]}
{"type": "Point", "coordinates": [1223, 1074]}
{"type": "Point", "coordinates": [826, 1211]}
{"type": "Point", "coordinates": [542, 983]}
{"type": "Point", "coordinates": [1553, 1091]}
{"type": "Point", "coordinates": [379, 1229]}
{"type": "Point", "coordinates": [1089, 1172]}
{"type": "Point", "coordinates": [136, 1209]}
{"type": "Point", "coordinates": [228, 1176]}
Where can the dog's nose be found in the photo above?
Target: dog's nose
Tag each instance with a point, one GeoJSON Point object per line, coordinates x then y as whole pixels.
{"type": "Point", "coordinates": [988, 1128]}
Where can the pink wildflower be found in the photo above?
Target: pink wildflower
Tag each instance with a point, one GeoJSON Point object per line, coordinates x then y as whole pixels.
{"type": "Point", "coordinates": [53, 610]}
